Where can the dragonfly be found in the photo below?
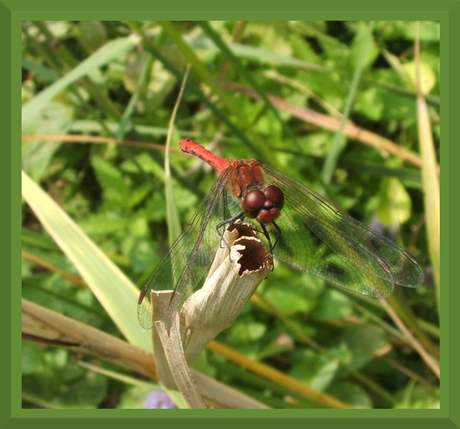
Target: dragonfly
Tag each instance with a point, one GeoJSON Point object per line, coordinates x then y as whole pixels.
{"type": "Point", "coordinates": [300, 227]}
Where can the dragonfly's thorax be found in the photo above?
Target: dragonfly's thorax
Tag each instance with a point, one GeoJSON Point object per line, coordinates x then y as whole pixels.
{"type": "Point", "coordinates": [259, 200]}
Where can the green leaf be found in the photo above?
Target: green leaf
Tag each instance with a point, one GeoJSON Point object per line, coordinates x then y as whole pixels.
{"type": "Point", "coordinates": [134, 397]}
{"type": "Point", "coordinates": [100, 224]}
{"type": "Point", "coordinates": [369, 103]}
{"type": "Point", "coordinates": [137, 224]}
{"type": "Point", "coordinates": [371, 52]}
{"type": "Point", "coordinates": [116, 191]}
{"type": "Point", "coordinates": [333, 305]}
{"type": "Point", "coordinates": [351, 393]}
{"type": "Point", "coordinates": [419, 397]}
{"type": "Point", "coordinates": [32, 358]}
{"type": "Point", "coordinates": [92, 35]}
{"type": "Point", "coordinates": [287, 300]}
{"type": "Point", "coordinates": [427, 76]}
{"type": "Point", "coordinates": [393, 30]}
{"type": "Point", "coordinates": [245, 331]}
{"type": "Point", "coordinates": [68, 385]}
{"type": "Point", "coordinates": [316, 370]}
{"type": "Point", "coordinates": [363, 342]}
{"type": "Point", "coordinates": [395, 206]}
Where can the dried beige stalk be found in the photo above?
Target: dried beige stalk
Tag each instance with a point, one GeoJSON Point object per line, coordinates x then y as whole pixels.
{"type": "Point", "coordinates": [48, 327]}
{"type": "Point", "coordinates": [235, 274]}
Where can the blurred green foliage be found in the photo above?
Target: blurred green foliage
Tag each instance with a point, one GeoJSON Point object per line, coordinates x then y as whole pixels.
{"type": "Point", "coordinates": [115, 192]}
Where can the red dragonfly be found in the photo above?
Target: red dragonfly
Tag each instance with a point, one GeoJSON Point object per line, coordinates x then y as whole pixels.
{"type": "Point", "coordinates": [301, 229]}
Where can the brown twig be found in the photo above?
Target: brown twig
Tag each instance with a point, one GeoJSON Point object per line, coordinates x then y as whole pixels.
{"type": "Point", "coordinates": [77, 138]}
{"type": "Point", "coordinates": [324, 121]}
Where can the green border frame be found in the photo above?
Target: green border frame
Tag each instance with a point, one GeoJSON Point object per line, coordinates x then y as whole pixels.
{"type": "Point", "coordinates": [15, 11]}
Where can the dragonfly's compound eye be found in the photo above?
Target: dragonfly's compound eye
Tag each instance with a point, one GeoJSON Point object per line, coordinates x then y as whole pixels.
{"type": "Point", "coordinates": [253, 203]}
{"type": "Point", "coordinates": [275, 196]}
{"type": "Point", "coordinates": [274, 202]}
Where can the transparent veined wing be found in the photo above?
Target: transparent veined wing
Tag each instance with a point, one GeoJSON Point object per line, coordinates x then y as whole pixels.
{"type": "Point", "coordinates": [323, 240]}
{"type": "Point", "coordinates": [186, 265]}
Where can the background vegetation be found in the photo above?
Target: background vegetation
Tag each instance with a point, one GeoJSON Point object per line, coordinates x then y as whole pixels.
{"type": "Point", "coordinates": [103, 94]}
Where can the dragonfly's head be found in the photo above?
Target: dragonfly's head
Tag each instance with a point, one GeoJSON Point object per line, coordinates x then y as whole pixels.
{"type": "Point", "coordinates": [263, 205]}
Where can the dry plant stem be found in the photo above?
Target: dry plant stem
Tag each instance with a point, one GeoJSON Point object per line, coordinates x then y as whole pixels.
{"type": "Point", "coordinates": [77, 138]}
{"type": "Point", "coordinates": [276, 376]}
{"type": "Point", "coordinates": [168, 342]}
{"type": "Point", "coordinates": [160, 300]}
{"type": "Point", "coordinates": [48, 327]}
{"type": "Point", "coordinates": [231, 281]}
{"type": "Point", "coordinates": [35, 259]}
{"type": "Point", "coordinates": [225, 292]}
{"type": "Point", "coordinates": [415, 344]}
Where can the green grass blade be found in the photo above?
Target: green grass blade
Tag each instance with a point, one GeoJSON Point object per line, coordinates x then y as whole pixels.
{"type": "Point", "coordinates": [263, 56]}
{"type": "Point", "coordinates": [228, 53]}
{"type": "Point", "coordinates": [102, 56]}
{"type": "Point", "coordinates": [130, 108]}
{"type": "Point", "coordinates": [40, 70]}
{"type": "Point", "coordinates": [201, 71]}
{"type": "Point", "coordinates": [430, 180]}
{"type": "Point", "coordinates": [111, 287]}
{"type": "Point", "coordinates": [430, 174]}
{"type": "Point", "coordinates": [331, 160]}
{"type": "Point", "coordinates": [172, 214]}
{"type": "Point", "coordinates": [195, 89]}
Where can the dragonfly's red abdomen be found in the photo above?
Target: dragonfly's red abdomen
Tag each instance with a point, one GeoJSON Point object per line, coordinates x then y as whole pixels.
{"type": "Point", "coordinates": [193, 148]}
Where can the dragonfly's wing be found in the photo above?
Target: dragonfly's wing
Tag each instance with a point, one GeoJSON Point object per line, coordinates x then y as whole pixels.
{"type": "Point", "coordinates": [187, 264]}
{"type": "Point", "coordinates": [318, 238]}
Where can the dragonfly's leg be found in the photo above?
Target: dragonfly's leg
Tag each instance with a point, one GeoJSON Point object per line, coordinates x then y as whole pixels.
{"type": "Point", "coordinates": [230, 221]}
{"type": "Point", "coordinates": [278, 230]}
{"type": "Point", "coordinates": [267, 235]}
